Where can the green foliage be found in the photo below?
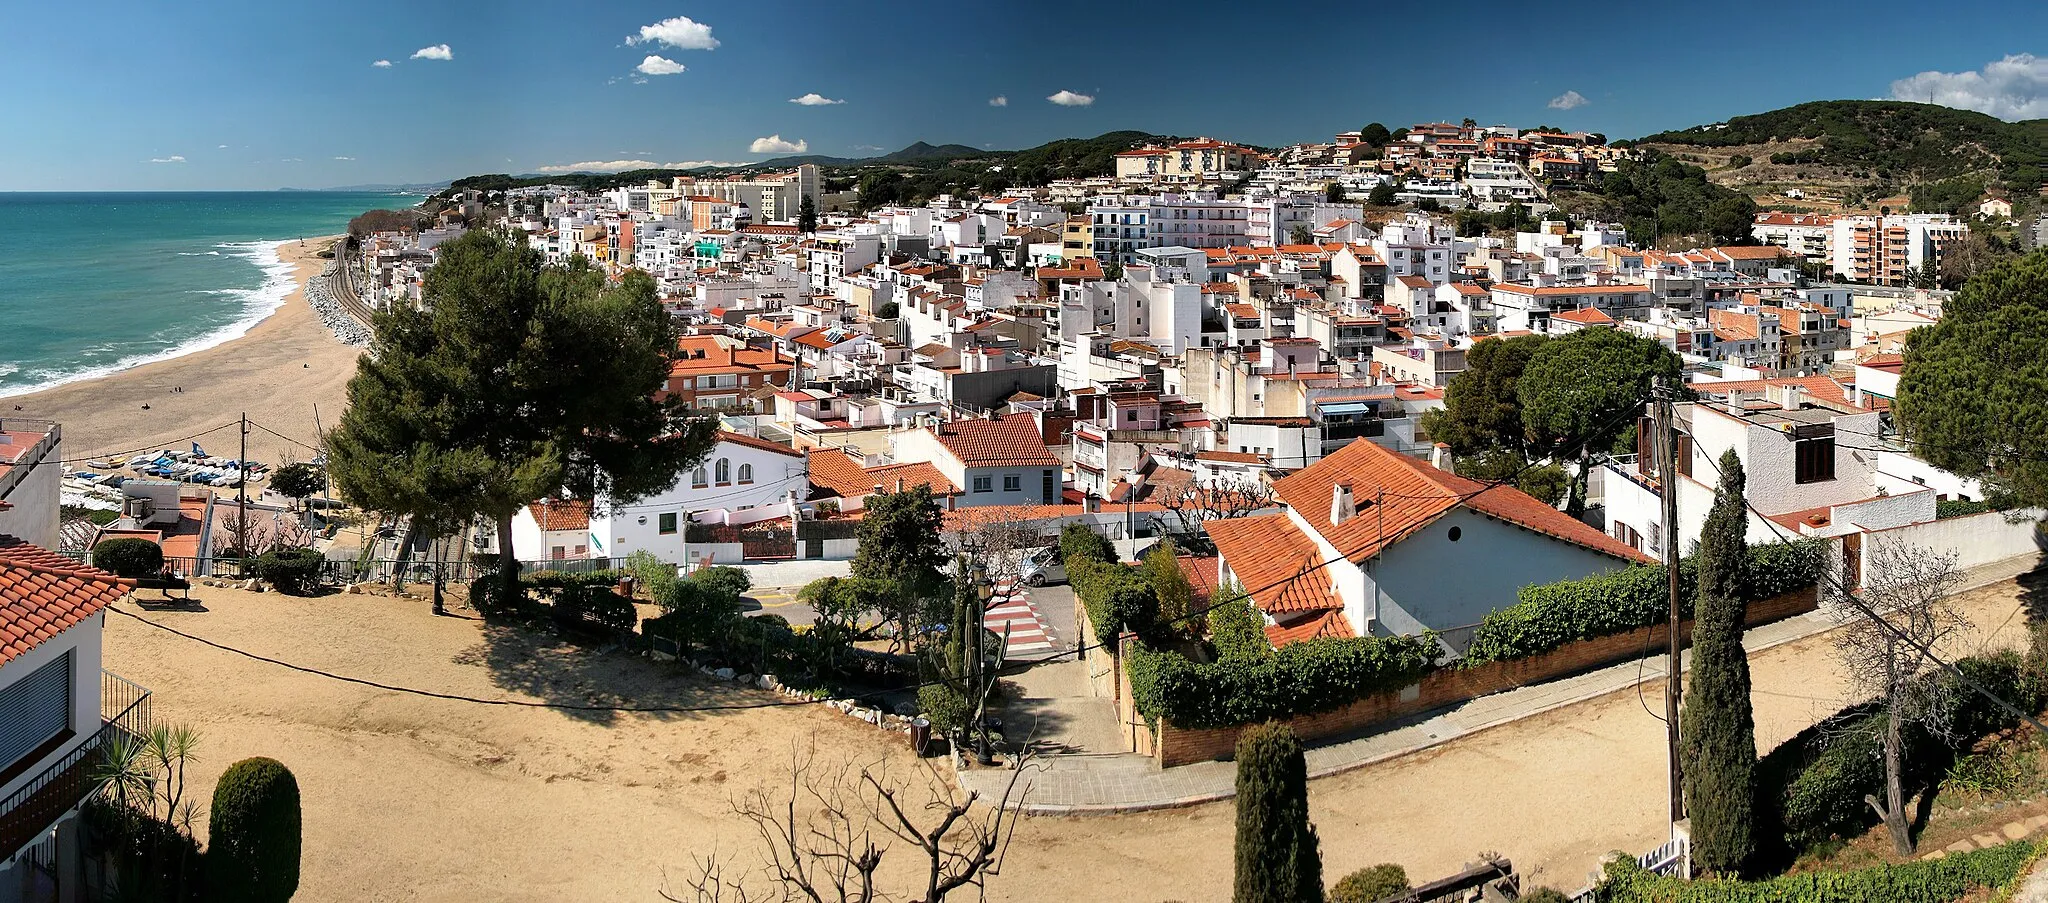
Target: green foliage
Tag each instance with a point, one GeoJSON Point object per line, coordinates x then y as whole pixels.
{"type": "Point", "coordinates": [128, 557]}
{"type": "Point", "coordinates": [1333, 193]}
{"type": "Point", "coordinates": [1550, 615]}
{"type": "Point", "coordinates": [1944, 880]}
{"type": "Point", "coordinates": [253, 834]}
{"type": "Point", "coordinates": [1077, 541]}
{"type": "Point", "coordinates": [1296, 679]}
{"type": "Point", "coordinates": [1581, 386]}
{"type": "Point", "coordinates": [1117, 597]}
{"type": "Point", "coordinates": [652, 575]}
{"type": "Point", "coordinates": [1373, 884]}
{"type": "Point", "coordinates": [1279, 859]}
{"type": "Point", "coordinates": [1957, 195]}
{"type": "Point", "coordinates": [1375, 134]}
{"type": "Point", "coordinates": [1547, 483]}
{"type": "Point", "coordinates": [1383, 195]}
{"type": "Point", "coordinates": [1974, 392]}
{"type": "Point", "coordinates": [1718, 732]}
{"type": "Point", "coordinates": [698, 606]}
{"type": "Point", "coordinates": [294, 572]}
{"type": "Point", "coordinates": [1544, 895]}
{"type": "Point", "coordinates": [298, 480]}
{"type": "Point", "coordinates": [1927, 141]}
{"type": "Point", "coordinates": [1812, 786]}
{"type": "Point", "coordinates": [888, 310]}
{"type": "Point", "coordinates": [1482, 409]}
{"type": "Point", "coordinates": [575, 600]}
{"type": "Point", "coordinates": [807, 215]}
{"type": "Point", "coordinates": [1236, 629]}
{"type": "Point", "coordinates": [514, 381]}
{"type": "Point", "coordinates": [944, 707]}
{"type": "Point", "coordinates": [1170, 587]}
{"type": "Point", "coordinates": [1659, 197]}
{"type": "Point", "coordinates": [899, 546]}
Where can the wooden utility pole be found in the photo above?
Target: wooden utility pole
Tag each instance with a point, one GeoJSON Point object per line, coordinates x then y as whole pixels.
{"type": "Point", "coordinates": [1667, 485]}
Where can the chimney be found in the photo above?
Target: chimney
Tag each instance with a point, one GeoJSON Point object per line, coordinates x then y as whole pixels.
{"type": "Point", "coordinates": [1341, 506]}
{"type": "Point", "coordinates": [899, 484]}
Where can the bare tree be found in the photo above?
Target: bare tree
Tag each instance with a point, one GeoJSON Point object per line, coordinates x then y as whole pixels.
{"type": "Point", "coordinates": [1004, 536]}
{"type": "Point", "coordinates": [1215, 500]}
{"type": "Point", "coordinates": [1888, 642]}
{"type": "Point", "coordinates": [857, 816]}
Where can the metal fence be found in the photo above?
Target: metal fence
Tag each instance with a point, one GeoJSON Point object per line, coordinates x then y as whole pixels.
{"type": "Point", "coordinates": [32, 809]}
{"type": "Point", "coordinates": [1672, 860]}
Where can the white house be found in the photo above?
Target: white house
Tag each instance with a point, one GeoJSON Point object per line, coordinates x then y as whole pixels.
{"type": "Point", "coordinates": [999, 461]}
{"type": "Point", "coordinates": [57, 709]}
{"type": "Point", "coordinates": [1376, 543]}
{"type": "Point", "coordinates": [553, 529]}
{"type": "Point", "coordinates": [30, 479]}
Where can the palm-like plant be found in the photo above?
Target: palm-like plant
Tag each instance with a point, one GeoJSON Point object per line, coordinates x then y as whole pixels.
{"type": "Point", "coordinates": [142, 779]}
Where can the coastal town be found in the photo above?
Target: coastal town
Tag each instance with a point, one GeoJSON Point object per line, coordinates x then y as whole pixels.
{"type": "Point", "coordinates": [1440, 512]}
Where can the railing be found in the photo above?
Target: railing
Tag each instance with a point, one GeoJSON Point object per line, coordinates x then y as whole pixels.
{"type": "Point", "coordinates": [38, 804]}
{"type": "Point", "coordinates": [1672, 860]}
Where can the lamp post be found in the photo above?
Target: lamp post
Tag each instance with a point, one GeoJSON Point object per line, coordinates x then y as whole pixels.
{"type": "Point", "coordinates": [983, 592]}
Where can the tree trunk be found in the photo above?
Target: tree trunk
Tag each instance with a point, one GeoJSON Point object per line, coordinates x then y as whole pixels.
{"type": "Point", "coordinates": [440, 567]}
{"type": "Point", "coordinates": [1575, 504]}
{"type": "Point", "coordinates": [1894, 813]}
{"type": "Point", "coordinates": [508, 564]}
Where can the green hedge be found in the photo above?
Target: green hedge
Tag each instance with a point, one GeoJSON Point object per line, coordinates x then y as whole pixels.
{"type": "Point", "coordinates": [1116, 595]}
{"type": "Point", "coordinates": [294, 572]}
{"type": "Point", "coordinates": [129, 557]}
{"type": "Point", "coordinates": [1942, 880]}
{"type": "Point", "coordinates": [1548, 616]}
{"type": "Point", "coordinates": [1297, 679]}
{"type": "Point", "coordinates": [1813, 784]}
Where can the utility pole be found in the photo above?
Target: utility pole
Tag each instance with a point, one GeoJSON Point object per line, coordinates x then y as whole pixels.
{"type": "Point", "coordinates": [1667, 485]}
{"type": "Point", "coordinates": [242, 495]}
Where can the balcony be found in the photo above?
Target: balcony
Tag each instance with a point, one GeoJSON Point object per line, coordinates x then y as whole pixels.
{"type": "Point", "coordinates": [67, 782]}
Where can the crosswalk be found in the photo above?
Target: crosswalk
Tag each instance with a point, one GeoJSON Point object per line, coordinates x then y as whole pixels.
{"type": "Point", "coordinates": [1030, 637]}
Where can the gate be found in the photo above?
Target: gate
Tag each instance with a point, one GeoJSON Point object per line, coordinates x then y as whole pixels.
{"type": "Point", "coordinates": [767, 540]}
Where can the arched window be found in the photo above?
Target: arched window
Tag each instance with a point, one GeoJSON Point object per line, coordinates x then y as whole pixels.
{"type": "Point", "coordinates": [724, 471]}
{"type": "Point", "coordinates": [746, 473]}
{"type": "Point", "coordinates": [697, 478]}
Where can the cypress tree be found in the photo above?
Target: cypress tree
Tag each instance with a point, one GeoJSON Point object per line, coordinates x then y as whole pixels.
{"type": "Point", "coordinates": [253, 834]}
{"type": "Point", "coordinates": [1278, 860]}
{"type": "Point", "coordinates": [1718, 729]}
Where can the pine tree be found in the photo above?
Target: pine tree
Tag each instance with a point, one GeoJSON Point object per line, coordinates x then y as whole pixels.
{"type": "Point", "coordinates": [1278, 859]}
{"type": "Point", "coordinates": [807, 215]}
{"type": "Point", "coordinates": [1718, 730]}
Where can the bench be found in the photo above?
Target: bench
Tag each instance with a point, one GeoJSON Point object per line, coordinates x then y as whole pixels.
{"type": "Point", "coordinates": [166, 582]}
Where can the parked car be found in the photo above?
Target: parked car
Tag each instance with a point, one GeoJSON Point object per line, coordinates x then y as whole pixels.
{"type": "Point", "coordinates": [1044, 566]}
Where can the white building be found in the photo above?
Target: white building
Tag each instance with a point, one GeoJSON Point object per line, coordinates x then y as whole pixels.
{"type": "Point", "coordinates": [30, 480]}
{"type": "Point", "coordinates": [993, 462]}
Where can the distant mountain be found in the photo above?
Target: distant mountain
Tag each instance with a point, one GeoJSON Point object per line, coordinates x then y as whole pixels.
{"type": "Point", "coordinates": [916, 153]}
{"type": "Point", "coordinates": [1867, 150]}
{"type": "Point", "coordinates": [419, 187]}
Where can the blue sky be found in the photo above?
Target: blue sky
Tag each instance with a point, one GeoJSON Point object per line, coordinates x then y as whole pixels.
{"type": "Point", "coordinates": [209, 95]}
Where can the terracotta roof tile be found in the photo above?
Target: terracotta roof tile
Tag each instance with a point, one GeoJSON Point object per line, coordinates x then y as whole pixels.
{"type": "Point", "coordinates": [561, 515]}
{"type": "Point", "coordinates": [1007, 442]}
{"type": "Point", "coordinates": [1266, 553]}
{"type": "Point", "coordinates": [43, 594]}
{"type": "Point", "coordinates": [762, 444]}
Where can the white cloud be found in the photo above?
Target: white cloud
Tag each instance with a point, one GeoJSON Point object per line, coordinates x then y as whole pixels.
{"type": "Point", "coordinates": [222, 147]}
{"type": "Point", "coordinates": [679, 32]}
{"type": "Point", "coordinates": [814, 99]}
{"type": "Point", "coordinates": [382, 64]}
{"type": "Point", "coordinates": [999, 101]}
{"type": "Point", "coordinates": [436, 52]}
{"type": "Point", "coordinates": [1569, 100]}
{"type": "Point", "coordinates": [658, 65]}
{"type": "Point", "coordinates": [700, 164]}
{"type": "Point", "coordinates": [290, 160]}
{"type": "Point", "coordinates": [2015, 87]}
{"type": "Point", "coordinates": [174, 158]}
{"type": "Point", "coordinates": [1070, 99]}
{"type": "Point", "coordinates": [773, 144]}
{"type": "Point", "coordinates": [601, 166]}
{"type": "Point", "coordinates": [867, 147]}
{"type": "Point", "coordinates": [344, 158]}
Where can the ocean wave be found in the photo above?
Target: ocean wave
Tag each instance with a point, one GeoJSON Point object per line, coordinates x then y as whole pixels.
{"type": "Point", "coordinates": [257, 304]}
{"type": "Point", "coordinates": [198, 253]}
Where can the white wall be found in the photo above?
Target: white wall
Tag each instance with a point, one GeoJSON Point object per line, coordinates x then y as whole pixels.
{"type": "Point", "coordinates": [1977, 539]}
{"type": "Point", "coordinates": [1899, 472]}
{"type": "Point", "coordinates": [1428, 581]}
{"type": "Point", "coordinates": [35, 499]}
{"type": "Point", "coordinates": [83, 640]}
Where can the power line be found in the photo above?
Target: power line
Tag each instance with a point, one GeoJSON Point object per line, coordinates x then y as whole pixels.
{"type": "Point", "coordinates": [155, 446]}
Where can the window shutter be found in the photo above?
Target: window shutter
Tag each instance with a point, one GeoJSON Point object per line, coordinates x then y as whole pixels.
{"type": "Point", "coordinates": [34, 709]}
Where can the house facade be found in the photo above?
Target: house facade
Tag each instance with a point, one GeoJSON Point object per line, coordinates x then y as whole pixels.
{"type": "Point", "coordinates": [743, 480]}
{"type": "Point", "coordinates": [30, 479]}
{"type": "Point", "coordinates": [998, 461]}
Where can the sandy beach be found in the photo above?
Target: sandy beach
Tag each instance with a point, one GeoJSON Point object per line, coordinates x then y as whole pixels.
{"type": "Point", "coordinates": [277, 373]}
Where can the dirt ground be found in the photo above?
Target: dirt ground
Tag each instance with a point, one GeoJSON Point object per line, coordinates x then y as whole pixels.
{"type": "Point", "coordinates": [411, 798]}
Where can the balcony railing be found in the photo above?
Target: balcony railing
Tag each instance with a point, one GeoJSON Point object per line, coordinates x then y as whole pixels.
{"type": "Point", "coordinates": [31, 810]}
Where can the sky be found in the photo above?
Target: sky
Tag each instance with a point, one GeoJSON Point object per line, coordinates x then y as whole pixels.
{"type": "Point", "coordinates": [147, 95]}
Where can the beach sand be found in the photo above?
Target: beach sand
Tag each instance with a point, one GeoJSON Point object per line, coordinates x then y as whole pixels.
{"type": "Point", "coordinates": [277, 373]}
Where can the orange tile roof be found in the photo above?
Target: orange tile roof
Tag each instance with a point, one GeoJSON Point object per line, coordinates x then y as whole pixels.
{"type": "Point", "coordinates": [1267, 554]}
{"type": "Point", "coordinates": [1201, 574]}
{"type": "Point", "coordinates": [754, 442]}
{"type": "Point", "coordinates": [42, 594]}
{"type": "Point", "coordinates": [1006, 442]}
{"type": "Point", "coordinates": [1585, 316]}
{"type": "Point", "coordinates": [1315, 626]}
{"type": "Point", "coordinates": [920, 473]}
{"type": "Point", "coordinates": [833, 469]}
{"type": "Point", "coordinates": [1416, 494]}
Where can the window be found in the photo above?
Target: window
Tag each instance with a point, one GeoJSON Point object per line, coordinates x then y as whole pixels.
{"type": "Point", "coordinates": [1814, 460]}
{"type": "Point", "coordinates": [984, 484]}
{"type": "Point", "coordinates": [697, 478]}
{"type": "Point", "coordinates": [724, 471]}
{"type": "Point", "coordinates": [1013, 483]}
{"type": "Point", "coordinates": [746, 473]}
{"type": "Point", "coordinates": [668, 524]}
{"type": "Point", "coordinates": [35, 709]}
{"type": "Point", "coordinates": [1130, 416]}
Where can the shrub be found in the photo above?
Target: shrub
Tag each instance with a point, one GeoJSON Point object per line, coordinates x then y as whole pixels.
{"type": "Point", "coordinates": [1277, 851]}
{"type": "Point", "coordinates": [1925, 881]}
{"type": "Point", "coordinates": [131, 557]}
{"type": "Point", "coordinates": [725, 581]}
{"type": "Point", "coordinates": [1544, 895]}
{"type": "Point", "coordinates": [1550, 615]}
{"type": "Point", "coordinates": [1116, 595]}
{"type": "Point", "coordinates": [1235, 628]}
{"type": "Point", "coordinates": [1372, 884]}
{"type": "Point", "coordinates": [944, 708]}
{"type": "Point", "coordinates": [252, 854]}
{"type": "Point", "coordinates": [1297, 679]}
{"type": "Point", "coordinates": [1077, 541]}
{"type": "Point", "coordinates": [652, 575]}
{"type": "Point", "coordinates": [294, 572]}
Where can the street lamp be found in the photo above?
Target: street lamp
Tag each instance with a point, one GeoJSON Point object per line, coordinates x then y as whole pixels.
{"type": "Point", "coordinates": [984, 590]}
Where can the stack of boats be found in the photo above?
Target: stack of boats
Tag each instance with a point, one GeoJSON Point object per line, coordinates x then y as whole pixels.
{"type": "Point", "coordinates": [195, 467]}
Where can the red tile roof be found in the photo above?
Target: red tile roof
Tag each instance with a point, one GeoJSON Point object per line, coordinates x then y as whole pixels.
{"type": "Point", "coordinates": [1007, 442]}
{"type": "Point", "coordinates": [754, 442]}
{"type": "Point", "coordinates": [1585, 316]}
{"type": "Point", "coordinates": [834, 470]}
{"type": "Point", "coordinates": [918, 474]}
{"type": "Point", "coordinates": [1267, 553]}
{"type": "Point", "coordinates": [1313, 626]}
{"type": "Point", "coordinates": [561, 515]}
{"type": "Point", "coordinates": [43, 593]}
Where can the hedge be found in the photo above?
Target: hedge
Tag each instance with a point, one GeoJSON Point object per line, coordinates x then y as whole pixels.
{"type": "Point", "coordinates": [1813, 784]}
{"type": "Point", "coordinates": [1549, 615]}
{"type": "Point", "coordinates": [294, 572]}
{"type": "Point", "coordinates": [1297, 679]}
{"type": "Point", "coordinates": [1117, 597]}
{"type": "Point", "coordinates": [1943, 880]}
{"type": "Point", "coordinates": [254, 833]}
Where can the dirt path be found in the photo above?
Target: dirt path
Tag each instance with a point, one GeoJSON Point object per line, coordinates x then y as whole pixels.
{"type": "Point", "coordinates": [408, 798]}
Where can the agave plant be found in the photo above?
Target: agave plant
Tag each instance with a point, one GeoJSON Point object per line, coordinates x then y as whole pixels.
{"type": "Point", "coordinates": [143, 790]}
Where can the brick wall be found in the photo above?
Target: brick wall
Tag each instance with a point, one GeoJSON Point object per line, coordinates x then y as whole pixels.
{"type": "Point", "coordinates": [1107, 678]}
{"type": "Point", "coordinates": [1181, 746]}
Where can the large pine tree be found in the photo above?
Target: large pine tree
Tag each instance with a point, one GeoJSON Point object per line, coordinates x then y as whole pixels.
{"type": "Point", "coordinates": [1718, 729]}
{"type": "Point", "coordinates": [1278, 858]}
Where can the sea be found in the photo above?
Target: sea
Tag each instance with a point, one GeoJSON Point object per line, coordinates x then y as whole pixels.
{"type": "Point", "coordinates": [94, 283]}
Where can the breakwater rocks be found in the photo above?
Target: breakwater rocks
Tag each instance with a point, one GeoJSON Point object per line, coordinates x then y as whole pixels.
{"type": "Point", "coordinates": [335, 316]}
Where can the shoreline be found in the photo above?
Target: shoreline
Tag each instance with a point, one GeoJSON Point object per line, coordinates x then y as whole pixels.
{"type": "Point", "coordinates": [280, 369]}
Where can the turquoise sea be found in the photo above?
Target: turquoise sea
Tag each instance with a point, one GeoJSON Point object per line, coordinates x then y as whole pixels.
{"type": "Point", "coordinates": [92, 283]}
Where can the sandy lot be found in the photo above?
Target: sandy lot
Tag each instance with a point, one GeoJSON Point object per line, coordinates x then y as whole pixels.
{"type": "Point", "coordinates": [277, 372]}
{"type": "Point", "coordinates": [410, 798]}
